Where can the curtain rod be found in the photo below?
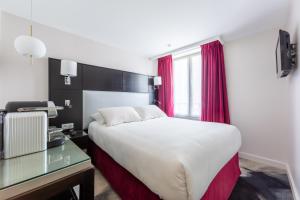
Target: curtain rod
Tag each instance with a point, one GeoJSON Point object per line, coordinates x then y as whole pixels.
{"type": "Point", "coordinates": [188, 47]}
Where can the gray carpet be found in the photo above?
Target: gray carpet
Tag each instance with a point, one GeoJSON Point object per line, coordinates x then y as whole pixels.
{"type": "Point", "coordinates": [257, 182]}
{"type": "Point", "coordinates": [261, 182]}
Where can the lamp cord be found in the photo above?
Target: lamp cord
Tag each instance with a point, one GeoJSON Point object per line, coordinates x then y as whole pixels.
{"type": "Point", "coordinates": [31, 61]}
{"type": "Point", "coordinates": [31, 12]}
{"type": "Point", "coordinates": [30, 27]}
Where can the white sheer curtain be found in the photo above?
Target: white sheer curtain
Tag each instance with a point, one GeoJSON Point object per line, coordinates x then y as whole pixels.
{"type": "Point", "coordinates": [187, 86]}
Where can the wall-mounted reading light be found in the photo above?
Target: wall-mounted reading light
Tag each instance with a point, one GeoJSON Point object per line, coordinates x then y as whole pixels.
{"type": "Point", "coordinates": [68, 68]}
{"type": "Point", "coordinates": [157, 81]}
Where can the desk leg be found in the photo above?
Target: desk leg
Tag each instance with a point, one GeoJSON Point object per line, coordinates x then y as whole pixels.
{"type": "Point", "coordinates": [86, 189]}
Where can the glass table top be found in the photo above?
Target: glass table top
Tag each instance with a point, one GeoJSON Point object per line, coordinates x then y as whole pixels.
{"type": "Point", "coordinates": [17, 170]}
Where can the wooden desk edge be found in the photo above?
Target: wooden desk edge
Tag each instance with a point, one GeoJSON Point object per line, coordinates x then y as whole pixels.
{"type": "Point", "coordinates": [38, 182]}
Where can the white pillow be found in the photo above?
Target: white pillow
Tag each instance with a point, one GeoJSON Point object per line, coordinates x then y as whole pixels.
{"type": "Point", "coordinates": [98, 117]}
{"type": "Point", "coordinates": [119, 115]}
{"type": "Point", "coordinates": [150, 112]}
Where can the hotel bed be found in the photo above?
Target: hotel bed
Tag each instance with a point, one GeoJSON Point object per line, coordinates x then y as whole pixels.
{"type": "Point", "coordinates": [167, 158]}
{"type": "Point", "coordinates": [157, 158]}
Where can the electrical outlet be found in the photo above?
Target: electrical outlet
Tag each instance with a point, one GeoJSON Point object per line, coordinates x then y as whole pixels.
{"type": "Point", "coordinates": [67, 126]}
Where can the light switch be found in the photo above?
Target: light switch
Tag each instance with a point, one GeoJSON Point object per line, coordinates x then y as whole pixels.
{"type": "Point", "coordinates": [68, 103]}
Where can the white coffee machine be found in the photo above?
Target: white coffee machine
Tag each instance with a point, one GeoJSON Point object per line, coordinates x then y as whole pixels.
{"type": "Point", "coordinates": [26, 128]}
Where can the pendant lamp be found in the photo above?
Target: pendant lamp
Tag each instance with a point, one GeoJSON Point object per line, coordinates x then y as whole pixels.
{"type": "Point", "coordinates": [30, 46]}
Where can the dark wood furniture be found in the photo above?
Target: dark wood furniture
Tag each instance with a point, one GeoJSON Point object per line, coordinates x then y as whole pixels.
{"type": "Point", "coordinates": [83, 178]}
{"type": "Point", "coordinates": [80, 138]}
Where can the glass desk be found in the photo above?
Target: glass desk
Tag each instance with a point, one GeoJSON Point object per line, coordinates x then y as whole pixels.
{"type": "Point", "coordinates": [29, 167]}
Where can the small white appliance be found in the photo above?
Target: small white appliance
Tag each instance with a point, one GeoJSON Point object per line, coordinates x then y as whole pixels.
{"type": "Point", "coordinates": [24, 133]}
{"type": "Point", "coordinates": [25, 128]}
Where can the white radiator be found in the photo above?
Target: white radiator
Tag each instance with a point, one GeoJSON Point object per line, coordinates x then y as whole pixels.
{"type": "Point", "coordinates": [24, 133]}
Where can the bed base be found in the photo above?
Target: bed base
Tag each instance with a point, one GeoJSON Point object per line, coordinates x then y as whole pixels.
{"type": "Point", "coordinates": [130, 188]}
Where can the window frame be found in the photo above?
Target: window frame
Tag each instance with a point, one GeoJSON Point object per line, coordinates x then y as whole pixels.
{"type": "Point", "coordinates": [190, 71]}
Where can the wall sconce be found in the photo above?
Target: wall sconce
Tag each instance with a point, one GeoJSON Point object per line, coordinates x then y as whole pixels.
{"type": "Point", "coordinates": [68, 68]}
{"type": "Point", "coordinates": [157, 81]}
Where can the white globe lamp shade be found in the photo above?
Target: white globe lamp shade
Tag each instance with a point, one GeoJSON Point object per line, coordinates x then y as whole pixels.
{"type": "Point", "coordinates": [68, 68]}
{"type": "Point", "coordinates": [157, 80]}
{"type": "Point", "coordinates": [30, 46]}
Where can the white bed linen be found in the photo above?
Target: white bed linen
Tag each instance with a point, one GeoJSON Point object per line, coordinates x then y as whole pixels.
{"type": "Point", "coordinates": [174, 158]}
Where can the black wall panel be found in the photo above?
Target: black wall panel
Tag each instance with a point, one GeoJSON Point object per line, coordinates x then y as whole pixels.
{"type": "Point", "coordinates": [68, 115]}
{"type": "Point", "coordinates": [90, 78]}
{"type": "Point", "coordinates": [150, 84]}
{"type": "Point", "coordinates": [135, 82]}
{"type": "Point", "coordinates": [101, 79]}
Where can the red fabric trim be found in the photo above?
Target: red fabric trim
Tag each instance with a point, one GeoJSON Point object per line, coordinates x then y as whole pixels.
{"type": "Point", "coordinates": [223, 183]}
{"type": "Point", "coordinates": [166, 91]}
{"type": "Point", "coordinates": [128, 187]}
{"type": "Point", "coordinates": [123, 183]}
{"type": "Point", "coordinates": [214, 90]}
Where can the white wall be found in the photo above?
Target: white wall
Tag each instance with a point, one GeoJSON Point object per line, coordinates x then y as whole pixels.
{"type": "Point", "coordinates": [19, 80]}
{"type": "Point", "coordinates": [257, 99]}
{"type": "Point", "coordinates": [294, 98]}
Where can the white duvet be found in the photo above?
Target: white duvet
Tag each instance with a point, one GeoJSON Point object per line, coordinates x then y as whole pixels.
{"type": "Point", "coordinates": [174, 158]}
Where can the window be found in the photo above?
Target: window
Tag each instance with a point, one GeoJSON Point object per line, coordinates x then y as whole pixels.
{"type": "Point", "coordinates": [187, 86]}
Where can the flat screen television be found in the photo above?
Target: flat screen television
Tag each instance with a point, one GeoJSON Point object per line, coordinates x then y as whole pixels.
{"type": "Point", "coordinates": [284, 55]}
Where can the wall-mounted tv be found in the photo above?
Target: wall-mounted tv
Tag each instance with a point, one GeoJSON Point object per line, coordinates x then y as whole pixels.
{"type": "Point", "coordinates": [285, 54]}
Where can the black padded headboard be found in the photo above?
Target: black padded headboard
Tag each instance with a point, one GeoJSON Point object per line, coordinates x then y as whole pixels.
{"type": "Point", "coordinates": [90, 77]}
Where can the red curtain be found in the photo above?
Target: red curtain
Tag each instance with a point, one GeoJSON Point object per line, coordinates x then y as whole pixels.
{"type": "Point", "coordinates": [165, 92]}
{"type": "Point", "coordinates": [214, 91]}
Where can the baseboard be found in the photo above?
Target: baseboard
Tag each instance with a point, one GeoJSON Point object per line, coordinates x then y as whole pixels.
{"type": "Point", "coordinates": [263, 160]}
{"type": "Point", "coordinates": [292, 182]}
{"type": "Point", "coordinates": [274, 163]}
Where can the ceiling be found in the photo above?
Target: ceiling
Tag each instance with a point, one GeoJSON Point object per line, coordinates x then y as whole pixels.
{"type": "Point", "coordinates": [151, 27]}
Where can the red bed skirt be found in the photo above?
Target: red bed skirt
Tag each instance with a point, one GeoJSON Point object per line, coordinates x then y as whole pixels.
{"type": "Point", "coordinates": [130, 188]}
